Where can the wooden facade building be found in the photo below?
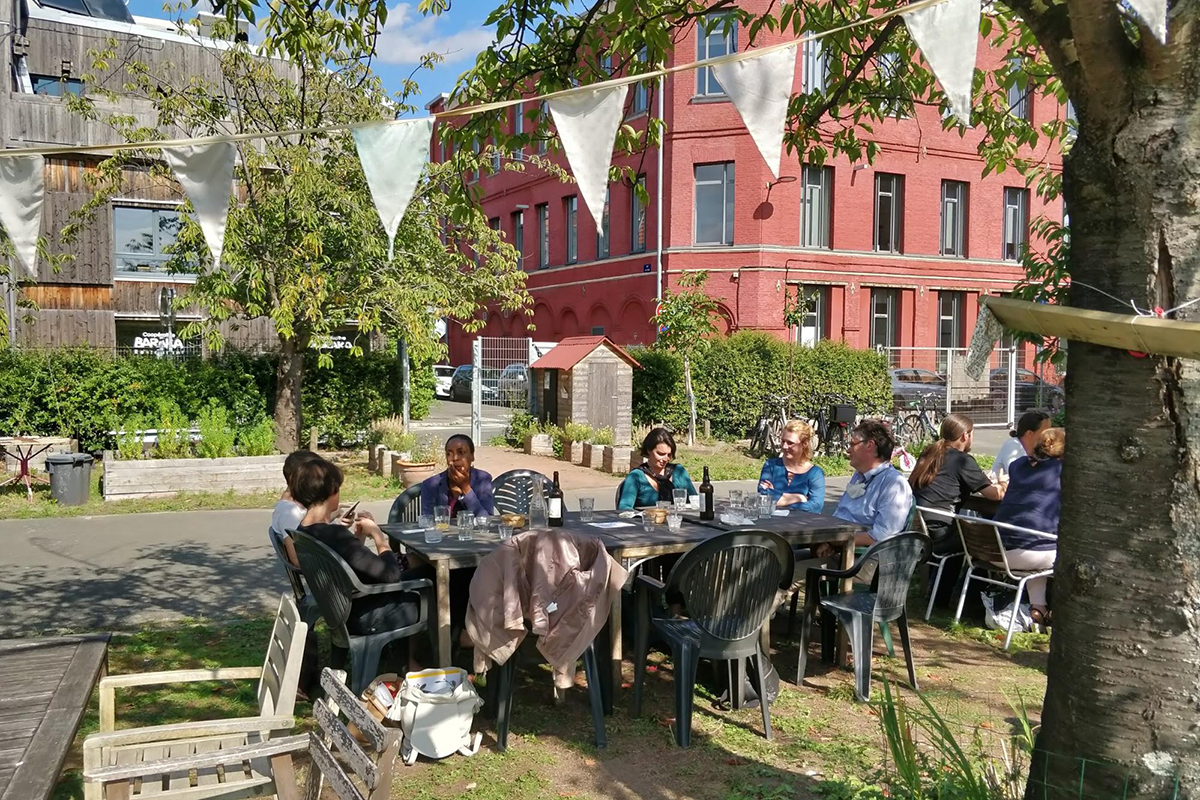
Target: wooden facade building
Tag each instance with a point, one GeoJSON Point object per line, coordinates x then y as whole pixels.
{"type": "Point", "coordinates": [587, 380]}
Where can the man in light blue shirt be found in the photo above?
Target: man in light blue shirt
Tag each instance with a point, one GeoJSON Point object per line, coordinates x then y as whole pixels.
{"type": "Point", "coordinates": [877, 496]}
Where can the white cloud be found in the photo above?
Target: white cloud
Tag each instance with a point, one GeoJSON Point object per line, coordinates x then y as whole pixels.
{"type": "Point", "coordinates": [409, 34]}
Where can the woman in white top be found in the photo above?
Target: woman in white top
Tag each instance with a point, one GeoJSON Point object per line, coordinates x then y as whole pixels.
{"type": "Point", "coordinates": [288, 513]}
{"type": "Point", "coordinates": [1024, 439]}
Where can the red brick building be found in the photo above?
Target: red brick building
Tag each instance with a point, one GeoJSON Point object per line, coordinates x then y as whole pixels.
{"type": "Point", "coordinates": [896, 253]}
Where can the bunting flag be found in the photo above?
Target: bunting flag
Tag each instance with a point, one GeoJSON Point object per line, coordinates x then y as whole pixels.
{"type": "Point", "coordinates": [21, 205]}
{"type": "Point", "coordinates": [1154, 14]}
{"type": "Point", "coordinates": [760, 88]}
{"type": "Point", "coordinates": [587, 125]}
{"type": "Point", "coordinates": [205, 171]}
{"type": "Point", "coordinates": [393, 155]}
{"type": "Point", "coordinates": [948, 35]}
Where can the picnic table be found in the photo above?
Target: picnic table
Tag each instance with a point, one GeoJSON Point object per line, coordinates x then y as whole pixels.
{"type": "Point", "coordinates": [629, 544]}
{"type": "Point", "coordinates": [45, 690]}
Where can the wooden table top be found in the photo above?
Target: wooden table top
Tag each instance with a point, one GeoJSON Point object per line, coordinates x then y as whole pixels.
{"type": "Point", "coordinates": [45, 685]}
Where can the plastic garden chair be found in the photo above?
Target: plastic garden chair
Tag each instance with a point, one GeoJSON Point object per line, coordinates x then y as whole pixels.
{"type": "Point", "coordinates": [731, 584]}
{"type": "Point", "coordinates": [407, 506]}
{"type": "Point", "coordinates": [895, 559]}
{"type": "Point", "coordinates": [985, 553]}
{"type": "Point", "coordinates": [304, 601]}
{"type": "Point", "coordinates": [938, 562]}
{"type": "Point", "coordinates": [335, 586]}
{"type": "Point", "coordinates": [513, 489]}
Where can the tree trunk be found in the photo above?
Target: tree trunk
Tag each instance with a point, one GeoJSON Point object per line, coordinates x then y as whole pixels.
{"type": "Point", "coordinates": [1124, 672]}
{"type": "Point", "coordinates": [289, 376]}
{"type": "Point", "coordinates": [691, 398]}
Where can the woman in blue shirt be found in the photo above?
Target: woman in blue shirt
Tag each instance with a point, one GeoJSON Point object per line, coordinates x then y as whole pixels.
{"type": "Point", "coordinates": [657, 478]}
{"type": "Point", "coordinates": [793, 481]}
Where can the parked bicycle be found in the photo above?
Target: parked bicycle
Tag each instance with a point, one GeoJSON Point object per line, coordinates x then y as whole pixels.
{"type": "Point", "coordinates": [831, 421]}
{"type": "Point", "coordinates": [920, 420]}
{"type": "Point", "coordinates": [767, 435]}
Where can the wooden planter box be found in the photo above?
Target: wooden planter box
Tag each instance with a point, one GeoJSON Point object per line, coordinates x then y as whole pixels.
{"type": "Point", "coordinates": [540, 444]}
{"type": "Point", "coordinates": [635, 459]}
{"type": "Point", "coordinates": [616, 460]}
{"type": "Point", "coordinates": [593, 455]}
{"type": "Point", "coordinates": [165, 477]}
{"type": "Point", "coordinates": [573, 452]}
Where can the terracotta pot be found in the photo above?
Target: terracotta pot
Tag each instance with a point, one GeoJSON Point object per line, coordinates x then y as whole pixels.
{"type": "Point", "coordinates": [412, 474]}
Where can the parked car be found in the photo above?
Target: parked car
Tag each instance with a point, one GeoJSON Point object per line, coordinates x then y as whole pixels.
{"type": "Point", "coordinates": [460, 384]}
{"type": "Point", "coordinates": [442, 375]}
{"type": "Point", "coordinates": [1032, 391]}
{"type": "Point", "coordinates": [514, 385]}
{"type": "Point", "coordinates": [909, 385]}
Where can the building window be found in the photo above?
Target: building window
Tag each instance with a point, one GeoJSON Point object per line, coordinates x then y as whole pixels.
{"type": "Point", "coordinates": [950, 319]}
{"type": "Point", "coordinates": [1016, 222]}
{"type": "Point", "coordinates": [602, 234]}
{"type": "Point", "coordinates": [571, 214]}
{"type": "Point", "coordinates": [475, 172]}
{"type": "Point", "coordinates": [815, 71]}
{"type": "Point", "coordinates": [885, 317]}
{"type": "Point", "coordinates": [55, 86]}
{"type": "Point", "coordinates": [637, 218]}
{"type": "Point", "coordinates": [889, 213]}
{"type": "Point", "coordinates": [954, 219]}
{"type": "Point", "coordinates": [494, 223]}
{"type": "Point", "coordinates": [641, 89]}
{"type": "Point", "coordinates": [716, 35]}
{"type": "Point", "coordinates": [543, 232]}
{"type": "Point", "coordinates": [1018, 95]}
{"type": "Point", "coordinates": [141, 237]}
{"type": "Point", "coordinates": [544, 136]}
{"type": "Point", "coordinates": [815, 326]}
{"type": "Point", "coordinates": [893, 104]}
{"type": "Point", "coordinates": [518, 221]}
{"type": "Point", "coordinates": [714, 203]}
{"type": "Point", "coordinates": [495, 157]}
{"type": "Point", "coordinates": [815, 205]}
{"type": "Point", "coordinates": [518, 128]}
{"type": "Point", "coordinates": [597, 330]}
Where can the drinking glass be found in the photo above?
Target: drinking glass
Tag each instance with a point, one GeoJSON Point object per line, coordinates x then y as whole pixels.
{"type": "Point", "coordinates": [647, 520]}
{"type": "Point", "coordinates": [482, 522]}
{"type": "Point", "coordinates": [674, 521]}
{"type": "Point", "coordinates": [587, 505]}
{"type": "Point", "coordinates": [441, 518]}
{"type": "Point", "coordinates": [735, 497]}
{"type": "Point", "coordinates": [425, 522]}
{"type": "Point", "coordinates": [466, 526]}
{"type": "Point", "coordinates": [432, 535]}
{"type": "Point", "coordinates": [680, 497]}
{"type": "Point", "coordinates": [766, 506]}
{"type": "Point", "coordinates": [506, 531]}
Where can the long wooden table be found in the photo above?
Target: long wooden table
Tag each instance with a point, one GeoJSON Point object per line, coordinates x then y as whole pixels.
{"type": "Point", "coordinates": [45, 685]}
{"type": "Point", "coordinates": [628, 545]}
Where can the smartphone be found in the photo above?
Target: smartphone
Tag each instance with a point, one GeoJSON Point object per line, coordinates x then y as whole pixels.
{"type": "Point", "coordinates": [350, 511]}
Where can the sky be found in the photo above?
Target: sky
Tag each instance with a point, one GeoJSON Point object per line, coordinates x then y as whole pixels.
{"type": "Point", "coordinates": [458, 35]}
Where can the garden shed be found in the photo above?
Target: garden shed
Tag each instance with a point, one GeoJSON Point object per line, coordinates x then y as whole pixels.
{"type": "Point", "coordinates": [587, 380]}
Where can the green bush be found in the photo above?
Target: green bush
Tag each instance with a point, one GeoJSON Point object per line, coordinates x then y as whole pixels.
{"type": "Point", "coordinates": [216, 435]}
{"type": "Point", "coordinates": [604, 436]}
{"type": "Point", "coordinates": [258, 439]}
{"type": "Point", "coordinates": [520, 425]}
{"type": "Point", "coordinates": [131, 437]}
{"type": "Point", "coordinates": [576, 432]}
{"type": "Point", "coordinates": [174, 432]}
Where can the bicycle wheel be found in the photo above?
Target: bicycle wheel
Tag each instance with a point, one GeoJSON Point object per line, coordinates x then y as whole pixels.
{"type": "Point", "coordinates": [913, 431]}
{"type": "Point", "coordinates": [758, 438]}
{"type": "Point", "coordinates": [773, 438]}
{"type": "Point", "coordinates": [835, 440]}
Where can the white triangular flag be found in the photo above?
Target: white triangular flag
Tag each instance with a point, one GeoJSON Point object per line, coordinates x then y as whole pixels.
{"type": "Point", "coordinates": [948, 34]}
{"type": "Point", "coordinates": [1154, 14]}
{"type": "Point", "coordinates": [393, 155]}
{"type": "Point", "coordinates": [587, 125]}
{"type": "Point", "coordinates": [760, 88]}
{"type": "Point", "coordinates": [205, 171]}
{"type": "Point", "coordinates": [21, 205]}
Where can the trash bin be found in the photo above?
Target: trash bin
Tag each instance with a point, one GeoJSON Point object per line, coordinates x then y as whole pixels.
{"type": "Point", "coordinates": [70, 477]}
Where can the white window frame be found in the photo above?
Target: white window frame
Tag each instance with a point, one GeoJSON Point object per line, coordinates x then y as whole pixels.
{"type": "Point", "coordinates": [157, 256]}
{"type": "Point", "coordinates": [641, 90]}
{"type": "Point", "coordinates": [544, 139]}
{"type": "Point", "coordinates": [543, 234]}
{"type": "Point", "coordinates": [571, 213]}
{"type": "Point", "coordinates": [895, 190]}
{"type": "Point", "coordinates": [710, 30]}
{"type": "Point", "coordinates": [637, 219]}
{"type": "Point", "coordinates": [518, 127]}
{"type": "Point", "coordinates": [727, 183]}
{"type": "Point", "coordinates": [518, 220]}
{"type": "Point", "coordinates": [816, 189]}
{"type": "Point", "coordinates": [1016, 222]}
{"type": "Point", "coordinates": [951, 316]}
{"type": "Point", "coordinates": [890, 319]}
{"type": "Point", "coordinates": [1018, 99]}
{"type": "Point", "coordinates": [815, 325]}
{"type": "Point", "coordinates": [815, 70]}
{"type": "Point", "coordinates": [953, 228]}
{"type": "Point", "coordinates": [604, 232]}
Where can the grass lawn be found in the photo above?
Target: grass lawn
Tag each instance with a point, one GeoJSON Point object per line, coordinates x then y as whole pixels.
{"type": "Point", "coordinates": [14, 503]}
{"type": "Point", "coordinates": [825, 745]}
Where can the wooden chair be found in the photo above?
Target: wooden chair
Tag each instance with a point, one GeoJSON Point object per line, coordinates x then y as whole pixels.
{"type": "Point", "coordinates": [234, 757]}
{"type": "Point", "coordinates": [372, 765]}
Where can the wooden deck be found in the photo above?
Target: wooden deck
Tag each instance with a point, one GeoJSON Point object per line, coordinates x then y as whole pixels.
{"type": "Point", "coordinates": [45, 685]}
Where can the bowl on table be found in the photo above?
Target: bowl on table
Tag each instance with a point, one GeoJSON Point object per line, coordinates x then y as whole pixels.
{"type": "Point", "coordinates": [514, 520]}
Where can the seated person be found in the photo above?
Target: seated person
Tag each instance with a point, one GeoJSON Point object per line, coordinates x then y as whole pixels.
{"type": "Point", "coordinates": [317, 485]}
{"type": "Point", "coordinates": [945, 475]}
{"type": "Point", "coordinates": [657, 478]}
{"type": "Point", "coordinates": [1029, 428]}
{"type": "Point", "coordinates": [877, 495]}
{"type": "Point", "coordinates": [1033, 500]}
{"type": "Point", "coordinates": [792, 480]}
{"type": "Point", "coordinates": [460, 486]}
{"type": "Point", "coordinates": [288, 513]}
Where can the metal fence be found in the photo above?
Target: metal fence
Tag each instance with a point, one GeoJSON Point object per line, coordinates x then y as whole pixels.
{"type": "Point", "coordinates": [500, 377]}
{"type": "Point", "coordinates": [937, 377]}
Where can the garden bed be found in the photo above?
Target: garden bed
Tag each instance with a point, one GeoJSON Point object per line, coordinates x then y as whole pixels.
{"type": "Point", "coordinates": [124, 480]}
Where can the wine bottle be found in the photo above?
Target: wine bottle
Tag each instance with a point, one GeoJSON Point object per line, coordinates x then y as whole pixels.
{"type": "Point", "coordinates": [556, 504]}
{"type": "Point", "coordinates": [707, 509]}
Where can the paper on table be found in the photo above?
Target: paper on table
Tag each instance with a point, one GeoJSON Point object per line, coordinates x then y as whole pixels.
{"type": "Point", "coordinates": [781, 512]}
{"type": "Point", "coordinates": [608, 526]}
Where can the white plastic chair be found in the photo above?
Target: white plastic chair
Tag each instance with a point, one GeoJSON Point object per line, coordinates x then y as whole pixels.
{"type": "Point", "coordinates": [934, 558]}
{"type": "Point", "coordinates": [985, 552]}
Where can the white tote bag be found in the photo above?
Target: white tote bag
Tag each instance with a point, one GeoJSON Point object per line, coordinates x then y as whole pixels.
{"type": "Point", "coordinates": [435, 709]}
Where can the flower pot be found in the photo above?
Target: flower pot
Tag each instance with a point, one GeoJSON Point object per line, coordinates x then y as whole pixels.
{"type": "Point", "coordinates": [539, 444]}
{"type": "Point", "coordinates": [412, 473]}
{"type": "Point", "coordinates": [616, 460]}
{"type": "Point", "coordinates": [573, 452]}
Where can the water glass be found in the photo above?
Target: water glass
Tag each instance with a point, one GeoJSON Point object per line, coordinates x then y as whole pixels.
{"type": "Point", "coordinates": [587, 506]}
{"type": "Point", "coordinates": [674, 521]}
{"type": "Point", "coordinates": [680, 498]}
{"type": "Point", "coordinates": [466, 526]}
{"type": "Point", "coordinates": [735, 497]}
{"type": "Point", "coordinates": [425, 522]}
{"type": "Point", "coordinates": [506, 532]}
{"type": "Point", "coordinates": [482, 522]}
{"type": "Point", "coordinates": [766, 505]}
{"type": "Point", "coordinates": [647, 521]}
{"type": "Point", "coordinates": [441, 518]}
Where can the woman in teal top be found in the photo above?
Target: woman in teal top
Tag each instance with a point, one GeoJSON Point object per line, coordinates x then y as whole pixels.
{"type": "Point", "coordinates": [657, 478]}
{"type": "Point", "coordinates": [792, 480]}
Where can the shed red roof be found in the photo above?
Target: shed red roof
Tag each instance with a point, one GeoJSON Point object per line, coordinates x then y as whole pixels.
{"type": "Point", "coordinates": [570, 351]}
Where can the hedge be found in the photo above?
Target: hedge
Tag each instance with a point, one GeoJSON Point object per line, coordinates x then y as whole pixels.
{"type": "Point", "coordinates": [84, 394]}
{"type": "Point", "coordinates": [736, 374]}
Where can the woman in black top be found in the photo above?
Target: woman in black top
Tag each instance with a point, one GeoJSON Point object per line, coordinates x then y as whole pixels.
{"type": "Point", "coordinates": [945, 475]}
{"type": "Point", "coordinates": [317, 487]}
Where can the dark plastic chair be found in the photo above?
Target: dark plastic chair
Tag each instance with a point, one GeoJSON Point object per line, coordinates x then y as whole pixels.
{"type": "Point", "coordinates": [514, 489]}
{"type": "Point", "coordinates": [309, 611]}
{"type": "Point", "coordinates": [407, 506]}
{"type": "Point", "coordinates": [335, 586]}
{"type": "Point", "coordinates": [896, 559]}
{"type": "Point", "coordinates": [730, 586]}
